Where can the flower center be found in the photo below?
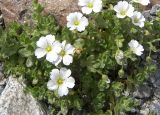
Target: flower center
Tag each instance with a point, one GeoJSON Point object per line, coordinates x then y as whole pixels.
{"type": "Point", "coordinates": [48, 48]}
{"type": "Point", "coordinates": [60, 81]}
{"type": "Point", "coordinates": [136, 0]}
{"type": "Point", "coordinates": [76, 22]}
{"type": "Point", "coordinates": [133, 49]}
{"type": "Point", "coordinates": [90, 5]}
{"type": "Point", "coordinates": [136, 20]}
{"type": "Point", "coordinates": [123, 12]}
{"type": "Point", "coordinates": [62, 53]}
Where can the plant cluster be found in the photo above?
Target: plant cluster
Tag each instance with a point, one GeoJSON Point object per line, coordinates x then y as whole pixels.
{"type": "Point", "coordinates": [110, 55]}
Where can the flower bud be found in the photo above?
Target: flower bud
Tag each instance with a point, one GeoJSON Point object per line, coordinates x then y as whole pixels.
{"type": "Point", "coordinates": [121, 73]}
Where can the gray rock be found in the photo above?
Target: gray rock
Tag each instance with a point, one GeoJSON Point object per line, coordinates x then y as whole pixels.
{"type": "Point", "coordinates": [147, 15]}
{"type": "Point", "coordinates": [144, 111]}
{"type": "Point", "coordinates": [1, 76]}
{"type": "Point", "coordinates": [153, 105]}
{"type": "Point", "coordinates": [3, 82]}
{"type": "Point", "coordinates": [155, 77]}
{"type": "Point", "coordinates": [157, 107]}
{"type": "Point", "coordinates": [155, 9]}
{"type": "Point", "coordinates": [1, 20]}
{"type": "Point", "coordinates": [1, 89]}
{"type": "Point", "coordinates": [152, 78]}
{"type": "Point", "coordinates": [151, 14]}
{"type": "Point", "coordinates": [157, 84]}
{"type": "Point", "coordinates": [2, 85]}
{"type": "Point", "coordinates": [157, 93]}
{"type": "Point", "coordinates": [157, 74]}
{"type": "Point", "coordinates": [142, 91]}
{"type": "Point", "coordinates": [13, 100]}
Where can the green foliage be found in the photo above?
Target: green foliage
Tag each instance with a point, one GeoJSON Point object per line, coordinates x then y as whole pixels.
{"type": "Point", "coordinates": [94, 63]}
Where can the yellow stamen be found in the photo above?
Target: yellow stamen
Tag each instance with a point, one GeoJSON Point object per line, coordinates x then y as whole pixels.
{"type": "Point", "coordinates": [49, 48]}
{"type": "Point", "coordinates": [60, 81]}
{"type": "Point", "coordinates": [90, 5]}
{"type": "Point", "coordinates": [136, 20]}
{"type": "Point", "coordinates": [76, 22]}
{"type": "Point", "coordinates": [123, 12]}
{"type": "Point", "coordinates": [62, 53]}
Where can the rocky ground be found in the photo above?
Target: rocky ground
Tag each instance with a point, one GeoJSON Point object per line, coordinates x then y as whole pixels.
{"type": "Point", "coordinates": [149, 95]}
{"type": "Point", "coordinates": [14, 100]}
{"type": "Point", "coordinates": [149, 92]}
{"type": "Point", "coordinates": [59, 8]}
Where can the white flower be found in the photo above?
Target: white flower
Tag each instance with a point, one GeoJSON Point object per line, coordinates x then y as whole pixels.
{"type": "Point", "coordinates": [119, 56]}
{"type": "Point", "coordinates": [143, 2]}
{"type": "Point", "coordinates": [136, 47]}
{"type": "Point", "coordinates": [90, 5]}
{"type": "Point", "coordinates": [61, 81]}
{"type": "Point", "coordinates": [49, 47]}
{"type": "Point", "coordinates": [77, 21]}
{"type": "Point", "coordinates": [123, 9]}
{"type": "Point", "coordinates": [138, 19]}
{"type": "Point", "coordinates": [66, 54]}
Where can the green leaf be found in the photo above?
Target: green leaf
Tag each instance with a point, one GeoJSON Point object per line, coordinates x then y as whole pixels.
{"type": "Point", "coordinates": [25, 52]}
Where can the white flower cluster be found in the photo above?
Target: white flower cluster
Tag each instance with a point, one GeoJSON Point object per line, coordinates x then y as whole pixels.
{"type": "Point", "coordinates": [76, 20]}
{"type": "Point", "coordinates": [123, 9]}
{"type": "Point", "coordinates": [56, 52]}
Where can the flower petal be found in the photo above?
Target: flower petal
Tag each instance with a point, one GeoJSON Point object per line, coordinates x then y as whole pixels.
{"type": "Point", "coordinates": [62, 90]}
{"type": "Point", "coordinates": [83, 24]}
{"type": "Point", "coordinates": [84, 21]}
{"type": "Point", "coordinates": [59, 59]}
{"type": "Point", "coordinates": [51, 56]}
{"type": "Point", "coordinates": [54, 74]}
{"type": "Point", "coordinates": [141, 24]}
{"type": "Point", "coordinates": [40, 52]}
{"type": "Point", "coordinates": [70, 17]}
{"type": "Point", "coordinates": [73, 28]}
{"type": "Point", "coordinates": [69, 49]}
{"type": "Point", "coordinates": [50, 39]}
{"type": "Point", "coordinates": [86, 10]}
{"type": "Point", "coordinates": [133, 43]}
{"type": "Point", "coordinates": [145, 2]}
{"type": "Point", "coordinates": [78, 15]}
{"type": "Point", "coordinates": [65, 72]}
{"type": "Point", "coordinates": [67, 60]}
{"type": "Point", "coordinates": [97, 6]}
{"type": "Point", "coordinates": [130, 10]}
{"type": "Point", "coordinates": [137, 52]}
{"type": "Point", "coordinates": [42, 42]}
{"type": "Point", "coordinates": [63, 44]}
{"type": "Point", "coordinates": [120, 16]}
{"type": "Point", "coordinates": [116, 8]}
{"type": "Point", "coordinates": [56, 47]}
{"type": "Point", "coordinates": [124, 5]}
{"type": "Point", "coordinates": [70, 82]}
{"type": "Point", "coordinates": [52, 85]}
{"type": "Point", "coordinates": [82, 2]}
